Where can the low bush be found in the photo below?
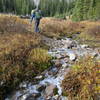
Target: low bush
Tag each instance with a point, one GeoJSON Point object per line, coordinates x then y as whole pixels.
{"type": "Point", "coordinates": [91, 36]}
{"type": "Point", "coordinates": [94, 31]}
{"type": "Point", "coordinates": [39, 58]}
{"type": "Point", "coordinates": [14, 49]}
{"type": "Point", "coordinates": [17, 52]}
{"type": "Point", "coordinates": [53, 27]}
{"type": "Point", "coordinates": [21, 67]}
{"type": "Point", "coordinates": [91, 33]}
{"type": "Point", "coordinates": [13, 24]}
{"type": "Point", "coordinates": [83, 81]}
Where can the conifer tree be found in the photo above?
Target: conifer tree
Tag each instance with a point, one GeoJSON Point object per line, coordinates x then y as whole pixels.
{"type": "Point", "coordinates": [78, 11]}
{"type": "Point", "coordinates": [86, 10]}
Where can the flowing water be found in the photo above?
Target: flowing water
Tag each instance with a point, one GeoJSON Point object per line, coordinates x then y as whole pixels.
{"type": "Point", "coordinates": [65, 52]}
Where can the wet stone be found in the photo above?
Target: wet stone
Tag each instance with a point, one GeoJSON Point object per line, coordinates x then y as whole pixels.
{"type": "Point", "coordinates": [23, 85]}
{"type": "Point", "coordinates": [30, 98]}
{"type": "Point", "coordinates": [39, 77]}
{"type": "Point", "coordinates": [50, 98]}
{"type": "Point", "coordinates": [84, 46]}
{"type": "Point", "coordinates": [98, 57]}
{"type": "Point", "coordinates": [49, 91]}
{"type": "Point", "coordinates": [72, 56]}
{"type": "Point", "coordinates": [64, 53]}
{"type": "Point", "coordinates": [33, 96]}
{"type": "Point", "coordinates": [94, 54]}
{"type": "Point", "coordinates": [62, 98]}
{"type": "Point", "coordinates": [41, 98]}
{"type": "Point", "coordinates": [58, 63]}
{"type": "Point", "coordinates": [58, 56]}
{"type": "Point", "coordinates": [41, 88]}
{"type": "Point", "coordinates": [65, 65]}
{"type": "Point", "coordinates": [54, 69]}
{"type": "Point", "coordinates": [65, 60]}
{"type": "Point", "coordinates": [56, 97]}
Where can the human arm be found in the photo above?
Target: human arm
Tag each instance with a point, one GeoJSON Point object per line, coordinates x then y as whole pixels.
{"type": "Point", "coordinates": [32, 17]}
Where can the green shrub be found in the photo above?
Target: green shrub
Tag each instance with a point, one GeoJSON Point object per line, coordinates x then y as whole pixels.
{"type": "Point", "coordinates": [61, 16]}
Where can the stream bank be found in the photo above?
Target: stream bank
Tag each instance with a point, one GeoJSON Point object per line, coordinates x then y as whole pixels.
{"type": "Point", "coordinates": [48, 85]}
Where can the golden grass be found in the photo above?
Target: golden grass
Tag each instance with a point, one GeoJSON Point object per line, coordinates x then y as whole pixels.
{"type": "Point", "coordinates": [11, 42]}
{"type": "Point", "coordinates": [13, 24]}
{"type": "Point", "coordinates": [89, 24]}
{"type": "Point", "coordinates": [55, 27]}
{"type": "Point", "coordinates": [39, 55]}
{"type": "Point", "coordinates": [16, 43]}
{"type": "Point", "coordinates": [19, 56]}
{"type": "Point", "coordinates": [39, 58]}
{"type": "Point", "coordinates": [83, 81]}
{"type": "Point", "coordinates": [91, 36]}
{"type": "Point", "coordinates": [88, 31]}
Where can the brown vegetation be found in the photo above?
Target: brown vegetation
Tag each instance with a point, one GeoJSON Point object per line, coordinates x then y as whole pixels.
{"type": "Point", "coordinates": [55, 28]}
{"type": "Point", "coordinates": [20, 52]}
{"type": "Point", "coordinates": [93, 32]}
{"type": "Point", "coordinates": [91, 36]}
{"type": "Point", "coordinates": [16, 57]}
{"type": "Point", "coordinates": [12, 24]}
{"type": "Point", "coordinates": [83, 81]}
{"type": "Point", "coordinates": [86, 31]}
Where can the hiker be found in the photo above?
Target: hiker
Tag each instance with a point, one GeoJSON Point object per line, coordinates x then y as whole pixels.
{"type": "Point", "coordinates": [36, 15]}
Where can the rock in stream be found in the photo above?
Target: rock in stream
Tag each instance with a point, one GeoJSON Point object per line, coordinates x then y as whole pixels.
{"type": "Point", "coordinates": [65, 52]}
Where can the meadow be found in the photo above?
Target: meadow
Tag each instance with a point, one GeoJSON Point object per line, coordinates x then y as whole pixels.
{"type": "Point", "coordinates": [23, 56]}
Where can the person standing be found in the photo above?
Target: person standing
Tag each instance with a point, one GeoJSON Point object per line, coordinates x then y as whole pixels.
{"type": "Point", "coordinates": [37, 16]}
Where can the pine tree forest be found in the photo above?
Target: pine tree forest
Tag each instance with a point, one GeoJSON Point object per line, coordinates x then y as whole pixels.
{"type": "Point", "coordinates": [78, 9]}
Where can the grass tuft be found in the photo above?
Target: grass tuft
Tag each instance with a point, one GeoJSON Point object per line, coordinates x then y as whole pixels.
{"type": "Point", "coordinates": [17, 47]}
{"type": "Point", "coordinates": [39, 58]}
{"type": "Point", "coordinates": [83, 81]}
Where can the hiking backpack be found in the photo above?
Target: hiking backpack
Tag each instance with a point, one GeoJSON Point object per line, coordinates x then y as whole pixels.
{"type": "Point", "coordinates": [38, 15]}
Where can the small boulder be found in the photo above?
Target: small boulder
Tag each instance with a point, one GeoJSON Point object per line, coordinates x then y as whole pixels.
{"type": "Point", "coordinates": [39, 77]}
{"type": "Point", "coordinates": [41, 87]}
{"type": "Point", "coordinates": [56, 97]}
{"type": "Point", "coordinates": [49, 91]}
{"type": "Point", "coordinates": [33, 96]}
{"type": "Point", "coordinates": [23, 85]}
{"type": "Point", "coordinates": [65, 65]}
{"type": "Point", "coordinates": [57, 63]}
{"type": "Point", "coordinates": [94, 54]}
{"type": "Point", "coordinates": [84, 46]}
{"type": "Point", "coordinates": [72, 56]}
{"type": "Point", "coordinates": [58, 56]}
{"type": "Point", "coordinates": [65, 60]}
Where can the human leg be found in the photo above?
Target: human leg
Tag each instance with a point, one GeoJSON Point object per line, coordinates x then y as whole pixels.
{"type": "Point", "coordinates": [37, 25]}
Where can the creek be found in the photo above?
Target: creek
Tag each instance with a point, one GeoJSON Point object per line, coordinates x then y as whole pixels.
{"type": "Point", "coordinates": [48, 85]}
